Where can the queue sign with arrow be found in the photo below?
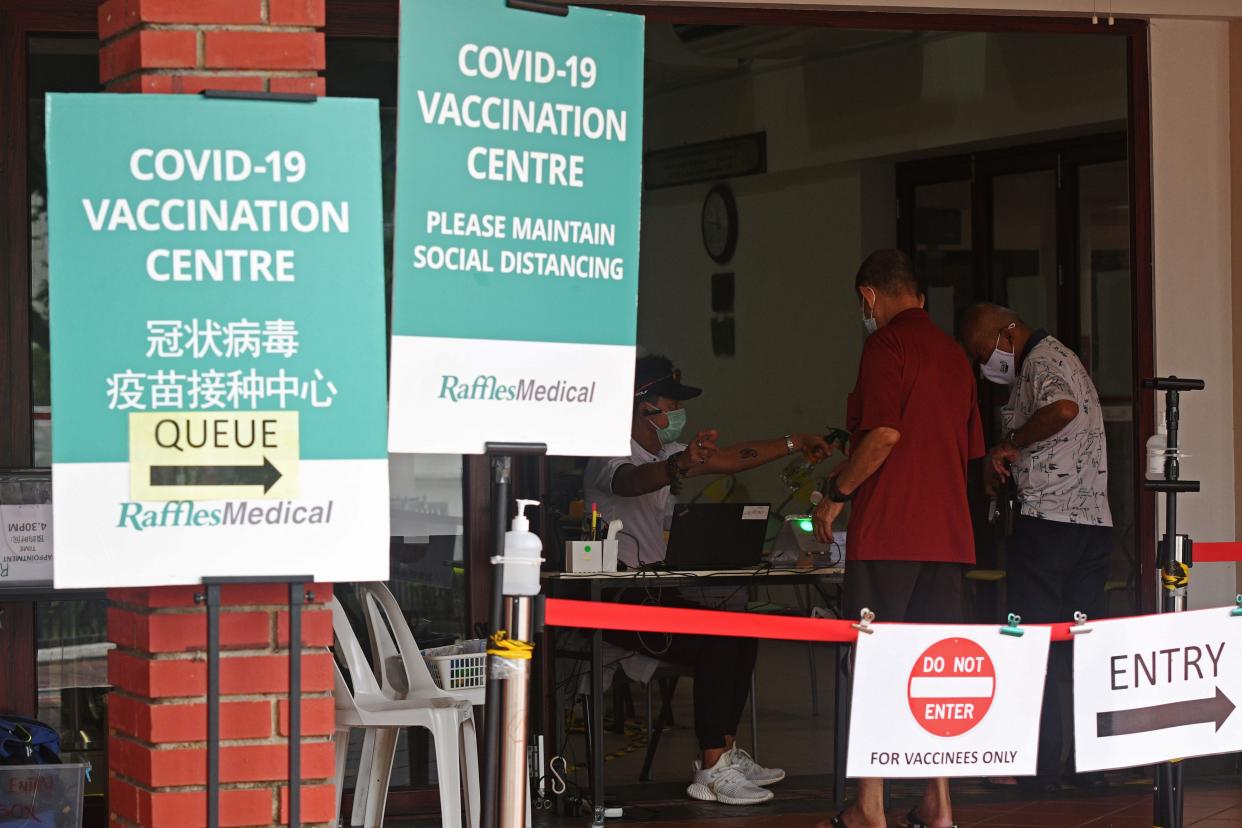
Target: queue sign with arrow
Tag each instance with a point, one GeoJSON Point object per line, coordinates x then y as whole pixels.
{"type": "Point", "coordinates": [213, 456]}
{"type": "Point", "coordinates": [1157, 688]}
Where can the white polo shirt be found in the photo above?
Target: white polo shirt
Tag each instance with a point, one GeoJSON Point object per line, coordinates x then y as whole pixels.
{"type": "Point", "coordinates": [643, 517]}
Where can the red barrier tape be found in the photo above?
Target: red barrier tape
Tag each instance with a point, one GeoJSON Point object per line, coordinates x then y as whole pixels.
{"type": "Point", "coordinates": [1217, 552]}
{"type": "Point", "coordinates": [601, 615]}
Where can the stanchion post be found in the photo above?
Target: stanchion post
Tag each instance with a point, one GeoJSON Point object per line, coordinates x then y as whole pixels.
{"type": "Point", "coordinates": [502, 455]}
{"type": "Point", "coordinates": [1175, 559]}
{"type": "Point", "coordinates": [502, 471]}
{"type": "Point", "coordinates": [514, 718]}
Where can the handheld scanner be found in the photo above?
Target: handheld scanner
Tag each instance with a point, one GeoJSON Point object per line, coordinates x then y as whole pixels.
{"type": "Point", "coordinates": [839, 436]}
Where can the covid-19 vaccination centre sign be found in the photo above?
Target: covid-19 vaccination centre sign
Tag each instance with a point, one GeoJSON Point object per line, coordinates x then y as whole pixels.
{"type": "Point", "coordinates": [217, 328]}
{"type": "Point", "coordinates": [515, 263]}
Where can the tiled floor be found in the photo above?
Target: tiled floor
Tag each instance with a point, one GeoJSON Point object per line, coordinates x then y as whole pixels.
{"type": "Point", "coordinates": [801, 743]}
{"type": "Point", "coordinates": [802, 802]}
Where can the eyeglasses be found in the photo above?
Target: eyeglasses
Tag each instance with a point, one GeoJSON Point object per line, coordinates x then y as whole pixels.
{"type": "Point", "coordinates": [645, 387]}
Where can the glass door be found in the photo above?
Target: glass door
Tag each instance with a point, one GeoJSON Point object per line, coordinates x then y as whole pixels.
{"type": "Point", "coordinates": [1044, 230]}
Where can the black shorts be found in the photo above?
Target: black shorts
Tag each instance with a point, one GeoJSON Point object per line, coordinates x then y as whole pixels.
{"type": "Point", "coordinates": [910, 591]}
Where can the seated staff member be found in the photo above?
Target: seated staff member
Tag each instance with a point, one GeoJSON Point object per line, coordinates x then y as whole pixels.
{"type": "Point", "coordinates": [635, 489]}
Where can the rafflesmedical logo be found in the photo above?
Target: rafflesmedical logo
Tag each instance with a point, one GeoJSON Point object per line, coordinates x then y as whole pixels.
{"type": "Point", "coordinates": [489, 387]}
{"type": "Point", "coordinates": [182, 513]}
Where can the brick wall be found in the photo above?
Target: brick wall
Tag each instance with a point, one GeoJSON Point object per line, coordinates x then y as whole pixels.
{"type": "Point", "coordinates": [157, 712]}
{"type": "Point", "coordinates": [189, 45]}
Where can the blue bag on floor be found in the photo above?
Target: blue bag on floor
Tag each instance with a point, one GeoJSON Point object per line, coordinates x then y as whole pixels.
{"type": "Point", "coordinates": [27, 742]}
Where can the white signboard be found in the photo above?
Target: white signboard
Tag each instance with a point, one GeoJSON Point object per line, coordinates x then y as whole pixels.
{"type": "Point", "coordinates": [946, 700]}
{"type": "Point", "coordinates": [1156, 688]}
{"type": "Point", "coordinates": [25, 544]}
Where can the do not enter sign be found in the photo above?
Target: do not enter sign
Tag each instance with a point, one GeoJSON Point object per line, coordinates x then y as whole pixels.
{"type": "Point", "coordinates": [933, 700]}
{"type": "Point", "coordinates": [951, 687]}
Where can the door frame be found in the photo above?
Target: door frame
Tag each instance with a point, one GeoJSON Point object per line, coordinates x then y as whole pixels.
{"type": "Point", "coordinates": [1064, 158]}
{"type": "Point", "coordinates": [19, 19]}
{"type": "Point", "coordinates": [1138, 143]}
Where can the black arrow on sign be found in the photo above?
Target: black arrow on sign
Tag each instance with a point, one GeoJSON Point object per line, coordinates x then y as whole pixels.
{"type": "Point", "coordinates": [1163, 716]}
{"type": "Point", "coordinates": [265, 475]}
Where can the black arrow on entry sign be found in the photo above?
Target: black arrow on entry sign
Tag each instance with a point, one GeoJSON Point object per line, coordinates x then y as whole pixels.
{"type": "Point", "coordinates": [1163, 716]}
{"type": "Point", "coordinates": [265, 475]}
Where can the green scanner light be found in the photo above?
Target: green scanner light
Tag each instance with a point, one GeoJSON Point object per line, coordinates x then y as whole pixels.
{"type": "Point", "coordinates": [806, 526]}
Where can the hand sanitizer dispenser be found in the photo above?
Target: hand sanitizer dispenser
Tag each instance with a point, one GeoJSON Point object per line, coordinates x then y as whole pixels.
{"type": "Point", "coordinates": [594, 556]}
{"type": "Point", "coordinates": [522, 558]}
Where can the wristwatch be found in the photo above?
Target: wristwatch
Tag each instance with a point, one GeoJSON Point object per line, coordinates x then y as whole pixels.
{"type": "Point", "coordinates": [673, 466]}
{"type": "Point", "coordinates": [790, 448]}
{"type": "Point", "coordinates": [1012, 439]}
{"type": "Point", "coordinates": [835, 494]}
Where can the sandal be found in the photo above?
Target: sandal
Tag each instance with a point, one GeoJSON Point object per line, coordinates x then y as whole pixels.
{"type": "Point", "coordinates": [914, 821]}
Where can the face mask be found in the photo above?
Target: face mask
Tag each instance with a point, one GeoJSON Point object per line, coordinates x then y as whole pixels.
{"type": "Point", "coordinates": [1000, 365]}
{"type": "Point", "coordinates": [869, 323]}
{"type": "Point", "coordinates": [676, 422]}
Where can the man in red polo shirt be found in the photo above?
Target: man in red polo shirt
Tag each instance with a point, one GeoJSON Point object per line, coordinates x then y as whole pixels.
{"type": "Point", "coordinates": [914, 423]}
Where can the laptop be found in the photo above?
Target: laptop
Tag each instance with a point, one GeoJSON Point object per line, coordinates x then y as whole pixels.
{"type": "Point", "coordinates": [711, 536]}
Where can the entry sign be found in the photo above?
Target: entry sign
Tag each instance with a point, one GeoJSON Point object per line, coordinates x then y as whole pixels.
{"type": "Point", "coordinates": [515, 264]}
{"type": "Point", "coordinates": [1156, 688]}
{"type": "Point", "coordinates": [932, 700]}
{"type": "Point", "coordinates": [217, 315]}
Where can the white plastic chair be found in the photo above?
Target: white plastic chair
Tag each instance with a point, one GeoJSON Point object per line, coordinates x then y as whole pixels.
{"type": "Point", "coordinates": [409, 698]}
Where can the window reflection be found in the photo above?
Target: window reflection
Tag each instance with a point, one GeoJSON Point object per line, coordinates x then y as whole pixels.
{"type": "Point", "coordinates": [72, 652]}
{"type": "Point", "coordinates": [62, 63]}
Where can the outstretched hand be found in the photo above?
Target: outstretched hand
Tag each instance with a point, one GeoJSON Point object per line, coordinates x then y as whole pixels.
{"type": "Point", "coordinates": [703, 447]}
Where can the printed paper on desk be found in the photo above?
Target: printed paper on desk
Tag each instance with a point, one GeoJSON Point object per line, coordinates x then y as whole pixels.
{"type": "Point", "coordinates": [1156, 688]}
{"type": "Point", "coordinates": [946, 700]}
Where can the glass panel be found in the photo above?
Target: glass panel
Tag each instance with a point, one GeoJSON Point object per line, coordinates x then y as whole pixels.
{"type": "Point", "coordinates": [73, 680]}
{"type": "Point", "coordinates": [60, 63]}
{"type": "Point", "coordinates": [1107, 344]}
{"type": "Point", "coordinates": [428, 574]}
{"type": "Point", "coordinates": [942, 249]}
{"type": "Point", "coordinates": [1024, 246]}
{"type": "Point", "coordinates": [1104, 276]}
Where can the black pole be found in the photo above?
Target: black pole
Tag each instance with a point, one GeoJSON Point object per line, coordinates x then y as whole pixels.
{"type": "Point", "coordinates": [211, 597]}
{"type": "Point", "coordinates": [1169, 794]}
{"type": "Point", "coordinates": [213, 706]}
{"type": "Point", "coordinates": [297, 594]}
{"type": "Point", "coordinates": [502, 478]}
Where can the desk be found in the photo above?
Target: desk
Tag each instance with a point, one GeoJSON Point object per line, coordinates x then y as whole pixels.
{"type": "Point", "coordinates": [597, 582]}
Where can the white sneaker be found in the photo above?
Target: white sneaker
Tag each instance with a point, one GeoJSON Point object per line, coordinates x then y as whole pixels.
{"type": "Point", "coordinates": [725, 784]}
{"type": "Point", "coordinates": [755, 773]}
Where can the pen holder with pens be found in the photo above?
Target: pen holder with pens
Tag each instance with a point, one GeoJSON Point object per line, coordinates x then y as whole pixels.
{"type": "Point", "coordinates": [593, 555]}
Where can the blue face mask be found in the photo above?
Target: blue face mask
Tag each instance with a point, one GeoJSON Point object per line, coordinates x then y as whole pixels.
{"type": "Point", "coordinates": [670, 432]}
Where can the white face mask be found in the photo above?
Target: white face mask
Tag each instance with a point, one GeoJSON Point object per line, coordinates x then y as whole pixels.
{"type": "Point", "coordinates": [869, 323]}
{"type": "Point", "coordinates": [1000, 365]}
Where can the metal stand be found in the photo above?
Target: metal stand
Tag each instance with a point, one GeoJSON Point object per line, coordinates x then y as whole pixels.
{"type": "Point", "coordinates": [501, 455]}
{"type": "Point", "coordinates": [1174, 559]}
{"type": "Point", "coordinates": [297, 597]}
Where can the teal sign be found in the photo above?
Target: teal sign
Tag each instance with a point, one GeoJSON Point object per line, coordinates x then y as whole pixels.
{"type": "Point", "coordinates": [516, 247]}
{"type": "Point", "coordinates": [217, 319]}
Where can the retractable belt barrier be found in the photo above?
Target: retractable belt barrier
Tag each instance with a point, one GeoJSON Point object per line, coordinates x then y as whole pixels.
{"type": "Point", "coordinates": [1228, 552]}
{"type": "Point", "coordinates": [601, 615]}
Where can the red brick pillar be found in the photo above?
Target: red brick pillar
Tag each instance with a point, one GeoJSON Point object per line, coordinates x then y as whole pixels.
{"type": "Point", "coordinates": [190, 45]}
{"type": "Point", "coordinates": [157, 714]}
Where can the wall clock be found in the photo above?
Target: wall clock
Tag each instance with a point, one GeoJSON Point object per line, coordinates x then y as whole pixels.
{"type": "Point", "coordinates": [719, 223]}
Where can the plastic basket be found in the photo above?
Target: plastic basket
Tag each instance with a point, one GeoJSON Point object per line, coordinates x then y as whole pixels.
{"type": "Point", "coordinates": [48, 796]}
{"type": "Point", "coordinates": [460, 666]}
